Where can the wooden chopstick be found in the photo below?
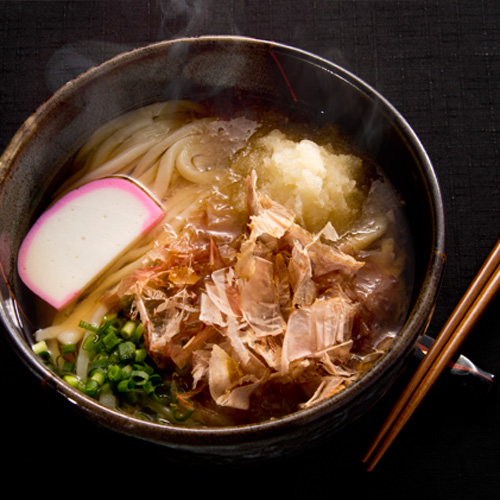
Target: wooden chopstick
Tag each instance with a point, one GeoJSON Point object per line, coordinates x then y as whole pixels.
{"type": "Point", "coordinates": [463, 318]}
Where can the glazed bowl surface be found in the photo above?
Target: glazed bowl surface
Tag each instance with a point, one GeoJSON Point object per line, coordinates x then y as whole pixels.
{"type": "Point", "coordinates": [229, 70]}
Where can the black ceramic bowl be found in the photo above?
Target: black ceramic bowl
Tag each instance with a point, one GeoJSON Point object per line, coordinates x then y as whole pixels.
{"type": "Point", "coordinates": [226, 69]}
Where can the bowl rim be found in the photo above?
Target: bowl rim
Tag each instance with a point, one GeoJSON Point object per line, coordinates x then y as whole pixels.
{"type": "Point", "coordinates": [416, 322]}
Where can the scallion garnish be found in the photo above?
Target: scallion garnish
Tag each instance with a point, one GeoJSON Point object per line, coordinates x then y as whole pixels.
{"type": "Point", "coordinates": [120, 372]}
{"type": "Point", "coordinates": [68, 349]}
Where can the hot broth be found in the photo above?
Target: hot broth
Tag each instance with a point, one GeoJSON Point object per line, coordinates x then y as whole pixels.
{"type": "Point", "coordinates": [280, 274]}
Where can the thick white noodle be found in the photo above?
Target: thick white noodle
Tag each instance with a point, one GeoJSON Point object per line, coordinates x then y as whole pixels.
{"type": "Point", "coordinates": [184, 163]}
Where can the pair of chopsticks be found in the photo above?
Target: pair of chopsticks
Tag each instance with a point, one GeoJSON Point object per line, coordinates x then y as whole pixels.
{"type": "Point", "coordinates": [477, 297]}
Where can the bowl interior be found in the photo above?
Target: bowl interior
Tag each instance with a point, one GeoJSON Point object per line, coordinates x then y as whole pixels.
{"type": "Point", "coordinates": [230, 71]}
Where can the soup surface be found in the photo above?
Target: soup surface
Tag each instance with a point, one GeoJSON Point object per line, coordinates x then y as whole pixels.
{"type": "Point", "coordinates": [279, 274]}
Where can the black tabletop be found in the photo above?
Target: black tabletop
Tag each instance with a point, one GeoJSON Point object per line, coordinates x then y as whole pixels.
{"type": "Point", "coordinates": [438, 63]}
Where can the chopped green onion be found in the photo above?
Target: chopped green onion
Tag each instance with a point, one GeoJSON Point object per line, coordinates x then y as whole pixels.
{"type": "Point", "coordinates": [137, 335]}
{"type": "Point", "coordinates": [98, 346]}
{"type": "Point", "coordinates": [110, 340]}
{"type": "Point", "coordinates": [88, 326]}
{"type": "Point", "coordinates": [68, 349]}
{"type": "Point", "coordinates": [114, 358]}
{"type": "Point", "coordinates": [114, 373]}
{"type": "Point", "coordinates": [128, 329]}
{"type": "Point", "coordinates": [68, 367]}
{"type": "Point", "coordinates": [72, 380]}
{"type": "Point", "coordinates": [155, 379]}
{"type": "Point", "coordinates": [140, 377]}
{"type": "Point", "coordinates": [149, 387]}
{"type": "Point", "coordinates": [126, 351]}
{"type": "Point", "coordinates": [108, 328]}
{"type": "Point", "coordinates": [42, 351]}
{"type": "Point", "coordinates": [144, 366]}
{"type": "Point", "coordinates": [127, 370]}
{"type": "Point", "coordinates": [99, 376]}
{"type": "Point", "coordinates": [40, 347]}
{"type": "Point", "coordinates": [99, 362]}
{"type": "Point", "coordinates": [178, 415]}
{"type": "Point", "coordinates": [91, 387]}
{"type": "Point", "coordinates": [153, 382]}
{"type": "Point", "coordinates": [109, 317]}
{"type": "Point", "coordinates": [88, 343]}
{"type": "Point", "coordinates": [120, 374]}
{"type": "Point", "coordinates": [126, 385]}
{"type": "Point", "coordinates": [140, 355]}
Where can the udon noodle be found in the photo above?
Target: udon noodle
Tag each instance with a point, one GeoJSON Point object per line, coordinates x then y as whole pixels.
{"type": "Point", "coordinates": [279, 274]}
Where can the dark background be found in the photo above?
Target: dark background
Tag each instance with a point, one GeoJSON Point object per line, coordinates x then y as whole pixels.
{"type": "Point", "coordinates": [438, 63]}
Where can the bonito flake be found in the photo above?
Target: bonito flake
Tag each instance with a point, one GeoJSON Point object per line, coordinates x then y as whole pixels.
{"type": "Point", "coordinates": [273, 311]}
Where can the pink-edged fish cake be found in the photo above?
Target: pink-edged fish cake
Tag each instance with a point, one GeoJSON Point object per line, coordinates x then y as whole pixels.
{"type": "Point", "coordinates": [81, 234]}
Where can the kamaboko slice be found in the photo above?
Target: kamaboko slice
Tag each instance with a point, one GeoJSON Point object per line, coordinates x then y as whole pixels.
{"type": "Point", "coordinates": [81, 234]}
